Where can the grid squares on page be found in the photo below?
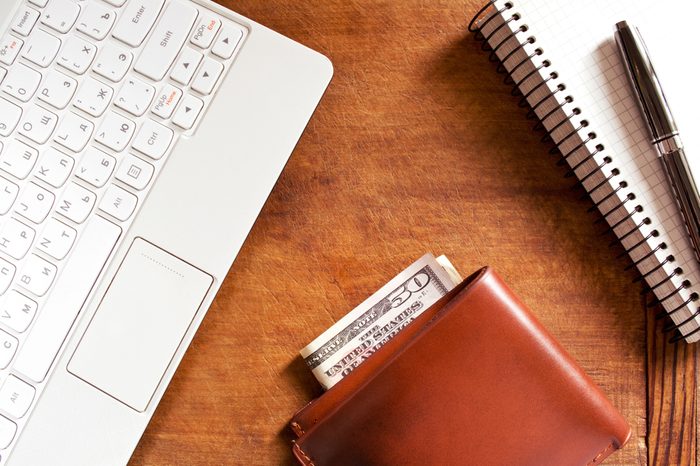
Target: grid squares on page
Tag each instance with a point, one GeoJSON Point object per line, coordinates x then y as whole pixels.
{"type": "Point", "coordinates": [577, 37]}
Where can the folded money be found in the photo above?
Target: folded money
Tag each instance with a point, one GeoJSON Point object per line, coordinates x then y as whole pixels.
{"type": "Point", "coordinates": [365, 329]}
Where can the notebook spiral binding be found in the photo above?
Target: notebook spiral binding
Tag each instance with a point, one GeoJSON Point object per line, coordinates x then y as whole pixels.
{"type": "Point", "coordinates": [539, 77]}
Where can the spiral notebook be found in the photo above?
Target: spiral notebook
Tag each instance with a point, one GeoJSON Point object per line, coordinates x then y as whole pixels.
{"type": "Point", "coordinates": [561, 56]}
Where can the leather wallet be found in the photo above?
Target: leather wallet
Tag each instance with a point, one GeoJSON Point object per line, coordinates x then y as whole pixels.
{"type": "Point", "coordinates": [473, 380]}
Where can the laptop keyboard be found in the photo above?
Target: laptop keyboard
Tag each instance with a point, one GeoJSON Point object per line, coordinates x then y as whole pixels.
{"type": "Point", "coordinates": [93, 96]}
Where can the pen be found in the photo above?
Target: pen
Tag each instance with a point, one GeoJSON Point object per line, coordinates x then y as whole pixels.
{"type": "Point", "coordinates": [664, 133]}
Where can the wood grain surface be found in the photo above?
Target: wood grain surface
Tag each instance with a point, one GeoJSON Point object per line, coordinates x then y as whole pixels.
{"type": "Point", "coordinates": [417, 146]}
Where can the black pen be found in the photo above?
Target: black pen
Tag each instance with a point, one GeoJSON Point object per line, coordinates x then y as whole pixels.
{"type": "Point", "coordinates": [664, 133]}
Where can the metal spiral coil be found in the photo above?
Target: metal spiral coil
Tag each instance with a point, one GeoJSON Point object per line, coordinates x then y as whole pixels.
{"type": "Point", "coordinates": [501, 67]}
{"type": "Point", "coordinates": [508, 80]}
{"type": "Point", "coordinates": [653, 234]}
{"type": "Point", "coordinates": [684, 285]}
{"type": "Point", "coordinates": [598, 149]}
{"type": "Point", "coordinates": [493, 56]}
{"type": "Point", "coordinates": [692, 298]}
{"type": "Point", "coordinates": [659, 247]}
{"type": "Point", "coordinates": [539, 126]}
{"type": "Point", "coordinates": [532, 113]}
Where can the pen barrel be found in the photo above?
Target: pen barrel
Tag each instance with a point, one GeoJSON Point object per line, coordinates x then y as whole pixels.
{"type": "Point", "coordinates": [640, 71]}
{"type": "Point", "coordinates": [686, 193]}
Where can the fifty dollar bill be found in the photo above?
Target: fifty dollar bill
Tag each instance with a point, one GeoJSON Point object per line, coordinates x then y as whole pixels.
{"type": "Point", "coordinates": [365, 329]}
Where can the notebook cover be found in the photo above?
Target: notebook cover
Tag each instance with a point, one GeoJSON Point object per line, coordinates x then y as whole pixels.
{"type": "Point", "coordinates": [481, 383]}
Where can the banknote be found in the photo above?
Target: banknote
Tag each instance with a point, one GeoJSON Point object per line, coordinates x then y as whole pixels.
{"type": "Point", "coordinates": [365, 329]}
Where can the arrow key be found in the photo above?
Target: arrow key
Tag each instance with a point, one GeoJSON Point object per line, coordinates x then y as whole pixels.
{"type": "Point", "coordinates": [227, 41]}
{"type": "Point", "coordinates": [188, 112]}
{"type": "Point", "coordinates": [186, 66]}
{"type": "Point", "coordinates": [207, 76]}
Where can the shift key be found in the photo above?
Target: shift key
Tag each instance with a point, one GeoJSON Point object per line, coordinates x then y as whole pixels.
{"type": "Point", "coordinates": [166, 41]}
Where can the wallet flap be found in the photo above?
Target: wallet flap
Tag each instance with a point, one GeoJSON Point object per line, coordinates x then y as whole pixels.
{"type": "Point", "coordinates": [317, 409]}
{"type": "Point", "coordinates": [482, 383]}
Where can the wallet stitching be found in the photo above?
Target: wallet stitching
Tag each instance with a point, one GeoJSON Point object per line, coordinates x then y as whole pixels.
{"type": "Point", "coordinates": [298, 429]}
{"type": "Point", "coordinates": [599, 455]}
{"type": "Point", "coordinates": [303, 453]}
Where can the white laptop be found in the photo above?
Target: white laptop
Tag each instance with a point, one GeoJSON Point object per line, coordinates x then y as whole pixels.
{"type": "Point", "coordinates": [139, 140]}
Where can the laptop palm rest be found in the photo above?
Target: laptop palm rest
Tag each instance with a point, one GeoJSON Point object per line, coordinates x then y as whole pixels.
{"type": "Point", "coordinates": [139, 324]}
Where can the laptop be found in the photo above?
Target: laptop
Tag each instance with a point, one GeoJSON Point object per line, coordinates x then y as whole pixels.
{"type": "Point", "coordinates": [139, 140]}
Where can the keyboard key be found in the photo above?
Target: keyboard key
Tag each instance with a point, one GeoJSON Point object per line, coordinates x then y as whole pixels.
{"type": "Point", "coordinates": [77, 55]}
{"type": "Point", "coordinates": [38, 124]}
{"type": "Point", "coordinates": [115, 132]}
{"type": "Point", "coordinates": [118, 203]}
{"type": "Point", "coordinates": [21, 82]}
{"type": "Point", "coordinates": [137, 20]}
{"type": "Point", "coordinates": [188, 112]}
{"type": "Point", "coordinates": [7, 274]}
{"type": "Point", "coordinates": [96, 21]}
{"type": "Point", "coordinates": [76, 203]}
{"type": "Point", "coordinates": [8, 194]}
{"type": "Point", "coordinates": [16, 238]}
{"type": "Point", "coordinates": [135, 172]}
{"type": "Point", "coordinates": [153, 139]}
{"type": "Point", "coordinates": [116, 2]}
{"type": "Point", "coordinates": [42, 48]}
{"type": "Point", "coordinates": [39, 3]}
{"type": "Point", "coordinates": [24, 21]}
{"type": "Point", "coordinates": [54, 167]}
{"type": "Point", "coordinates": [166, 41]}
{"type": "Point", "coordinates": [96, 167]}
{"type": "Point", "coordinates": [74, 132]}
{"type": "Point", "coordinates": [227, 41]}
{"type": "Point", "coordinates": [8, 348]}
{"type": "Point", "coordinates": [94, 97]}
{"type": "Point", "coordinates": [135, 96]}
{"type": "Point", "coordinates": [113, 62]}
{"type": "Point", "coordinates": [61, 15]}
{"type": "Point", "coordinates": [58, 89]}
{"type": "Point", "coordinates": [9, 117]}
{"type": "Point", "coordinates": [16, 397]}
{"type": "Point", "coordinates": [9, 49]}
{"type": "Point", "coordinates": [57, 239]}
{"type": "Point", "coordinates": [18, 159]}
{"type": "Point", "coordinates": [37, 275]}
{"type": "Point", "coordinates": [8, 429]}
{"type": "Point", "coordinates": [207, 76]}
{"type": "Point", "coordinates": [16, 312]}
{"type": "Point", "coordinates": [186, 66]}
{"type": "Point", "coordinates": [206, 29]}
{"type": "Point", "coordinates": [64, 304]}
{"type": "Point", "coordinates": [35, 203]}
{"type": "Point", "coordinates": [166, 101]}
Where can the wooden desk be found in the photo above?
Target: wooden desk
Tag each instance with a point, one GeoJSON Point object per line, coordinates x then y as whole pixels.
{"type": "Point", "coordinates": [417, 146]}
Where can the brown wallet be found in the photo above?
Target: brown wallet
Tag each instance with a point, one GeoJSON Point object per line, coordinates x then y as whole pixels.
{"type": "Point", "coordinates": [474, 380]}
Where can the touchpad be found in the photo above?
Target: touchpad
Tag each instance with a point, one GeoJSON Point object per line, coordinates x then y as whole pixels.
{"type": "Point", "coordinates": [139, 324]}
